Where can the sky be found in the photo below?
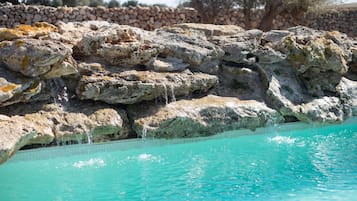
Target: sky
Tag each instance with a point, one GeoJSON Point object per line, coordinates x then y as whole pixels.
{"type": "Point", "coordinates": [174, 3]}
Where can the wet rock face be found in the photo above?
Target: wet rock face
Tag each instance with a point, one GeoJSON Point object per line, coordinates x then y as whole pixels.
{"type": "Point", "coordinates": [202, 117]}
{"type": "Point", "coordinates": [54, 123]}
{"type": "Point", "coordinates": [135, 86]}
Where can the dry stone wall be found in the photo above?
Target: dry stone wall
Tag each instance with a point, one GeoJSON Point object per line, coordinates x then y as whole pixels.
{"type": "Point", "coordinates": [150, 18]}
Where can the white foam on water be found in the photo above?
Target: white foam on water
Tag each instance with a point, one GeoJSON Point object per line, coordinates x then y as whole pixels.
{"type": "Point", "coordinates": [93, 162]}
{"type": "Point", "coordinates": [144, 157]}
{"type": "Point", "coordinates": [282, 140]}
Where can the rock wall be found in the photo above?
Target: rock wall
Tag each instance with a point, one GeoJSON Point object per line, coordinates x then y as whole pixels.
{"type": "Point", "coordinates": [95, 81]}
{"type": "Point", "coordinates": [147, 18]}
{"type": "Point", "coordinates": [150, 18]}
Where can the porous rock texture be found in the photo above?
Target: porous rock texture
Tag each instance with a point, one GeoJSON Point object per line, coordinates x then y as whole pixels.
{"type": "Point", "coordinates": [98, 81]}
{"type": "Point", "coordinates": [201, 117]}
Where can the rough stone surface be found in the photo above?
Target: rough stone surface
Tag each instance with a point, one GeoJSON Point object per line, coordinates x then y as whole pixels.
{"type": "Point", "coordinates": [187, 44]}
{"type": "Point", "coordinates": [241, 81]}
{"type": "Point", "coordinates": [15, 133]}
{"type": "Point", "coordinates": [39, 29]}
{"type": "Point", "coordinates": [180, 81]}
{"type": "Point", "coordinates": [15, 88]}
{"type": "Point", "coordinates": [134, 86]}
{"type": "Point", "coordinates": [211, 29]}
{"type": "Point", "coordinates": [286, 92]}
{"type": "Point", "coordinates": [75, 123]}
{"type": "Point", "coordinates": [348, 91]}
{"type": "Point", "coordinates": [118, 45]}
{"type": "Point", "coordinates": [238, 48]}
{"type": "Point", "coordinates": [169, 64]}
{"type": "Point", "coordinates": [201, 117]}
{"type": "Point", "coordinates": [33, 57]}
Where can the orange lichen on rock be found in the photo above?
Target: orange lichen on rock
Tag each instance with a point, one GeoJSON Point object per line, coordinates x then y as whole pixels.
{"type": "Point", "coordinates": [7, 88]}
{"type": "Point", "coordinates": [27, 31]}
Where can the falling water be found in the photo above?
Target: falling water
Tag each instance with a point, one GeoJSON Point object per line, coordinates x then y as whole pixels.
{"type": "Point", "coordinates": [89, 137]}
{"type": "Point", "coordinates": [165, 94]}
{"type": "Point", "coordinates": [173, 98]}
{"type": "Point", "coordinates": [59, 91]}
{"type": "Point", "coordinates": [144, 132]}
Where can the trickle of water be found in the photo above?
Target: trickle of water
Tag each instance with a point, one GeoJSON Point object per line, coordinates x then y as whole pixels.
{"type": "Point", "coordinates": [89, 138]}
{"type": "Point", "coordinates": [173, 98]}
{"type": "Point", "coordinates": [165, 94]}
{"type": "Point", "coordinates": [79, 139]}
{"type": "Point", "coordinates": [144, 132]}
{"type": "Point", "coordinates": [59, 91]}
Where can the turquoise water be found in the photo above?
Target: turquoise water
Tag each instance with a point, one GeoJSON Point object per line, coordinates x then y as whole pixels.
{"type": "Point", "coordinates": [290, 163]}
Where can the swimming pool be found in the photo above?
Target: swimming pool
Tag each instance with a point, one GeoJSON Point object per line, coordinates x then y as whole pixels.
{"type": "Point", "coordinates": [291, 162]}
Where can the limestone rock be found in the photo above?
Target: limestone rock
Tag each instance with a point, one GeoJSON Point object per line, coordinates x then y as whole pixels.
{"type": "Point", "coordinates": [238, 48]}
{"type": "Point", "coordinates": [211, 29]}
{"type": "Point", "coordinates": [118, 45]}
{"type": "Point", "coordinates": [201, 117]}
{"type": "Point", "coordinates": [286, 92]}
{"type": "Point", "coordinates": [320, 53]}
{"type": "Point", "coordinates": [275, 36]}
{"type": "Point", "coordinates": [321, 110]}
{"type": "Point", "coordinates": [90, 68]}
{"type": "Point", "coordinates": [54, 123]}
{"type": "Point", "coordinates": [73, 32]}
{"type": "Point", "coordinates": [353, 64]}
{"type": "Point", "coordinates": [305, 33]}
{"type": "Point", "coordinates": [268, 55]}
{"type": "Point", "coordinates": [39, 29]}
{"type": "Point", "coordinates": [348, 91]}
{"type": "Point", "coordinates": [169, 64]}
{"type": "Point", "coordinates": [33, 57]}
{"type": "Point", "coordinates": [241, 81]}
{"type": "Point", "coordinates": [134, 86]}
{"type": "Point", "coordinates": [16, 88]}
{"type": "Point", "coordinates": [15, 133]}
{"type": "Point", "coordinates": [317, 56]}
{"type": "Point", "coordinates": [189, 45]}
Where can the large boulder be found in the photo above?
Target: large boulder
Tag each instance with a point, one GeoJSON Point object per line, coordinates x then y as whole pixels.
{"type": "Point", "coordinates": [72, 32]}
{"type": "Point", "coordinates": [201, 117]}
{"type": "Point", "coordinates": [135, 86]}
{"type": "Point", "coordinates": [118, 45]}
{"type": "Point", "coordinates": [286, 93]}
{"type": "Point", "coordinates": [319, 58]}
{"type": "Point", "coordinates": [33, 57]}
{"type": "Point", "coordinates": [189, 45]}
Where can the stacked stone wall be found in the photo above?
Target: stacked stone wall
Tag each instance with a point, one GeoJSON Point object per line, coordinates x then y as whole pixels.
{"type": "Point", "coordinates": [150, 18]}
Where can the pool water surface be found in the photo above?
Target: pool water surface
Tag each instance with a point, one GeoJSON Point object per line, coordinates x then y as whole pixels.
{"type": "Point", "coordinates": [305, 163]}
